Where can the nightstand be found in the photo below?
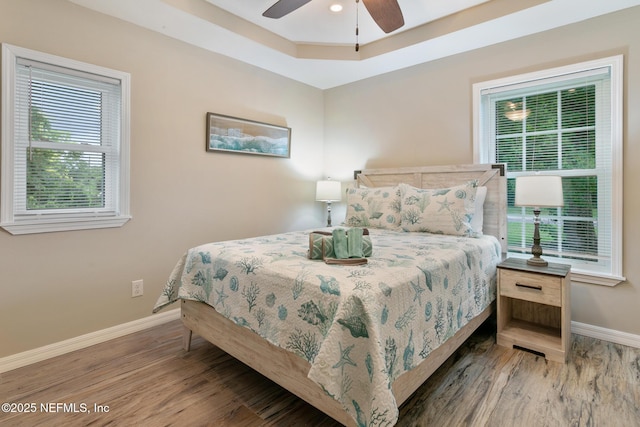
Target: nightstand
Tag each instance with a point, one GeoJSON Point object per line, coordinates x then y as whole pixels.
{"type": "Point", "coordinates": [534, 307]}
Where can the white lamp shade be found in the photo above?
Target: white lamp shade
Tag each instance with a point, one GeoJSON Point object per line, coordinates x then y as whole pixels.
{"type": "Point", "coordinates": [539, 191]}
{"type": "Point", "coordinates": [328, 191]}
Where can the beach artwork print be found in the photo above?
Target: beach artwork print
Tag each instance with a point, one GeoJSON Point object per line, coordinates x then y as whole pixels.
{"type": "Point", "coordinates": [231, 134]}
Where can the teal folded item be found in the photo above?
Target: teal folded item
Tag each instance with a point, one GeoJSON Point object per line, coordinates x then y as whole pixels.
{"type": "Point", "coordinates": [354, 243]}
{"type": "Point", "coordinates": [340, 244]}
{"type": "Point", "coordinates": [321, 244]}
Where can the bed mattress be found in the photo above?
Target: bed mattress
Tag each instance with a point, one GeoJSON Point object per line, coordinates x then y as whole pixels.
{"type": "Point", "coordinates": [359, 327]}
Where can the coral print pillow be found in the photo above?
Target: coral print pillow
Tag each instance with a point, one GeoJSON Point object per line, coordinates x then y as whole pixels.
{"type": "Point", "coordinates": [373, 207]}
{"type": "Point", "coordinates": [439, 211]}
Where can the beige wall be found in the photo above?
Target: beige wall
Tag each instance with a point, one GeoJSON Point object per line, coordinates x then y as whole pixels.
{"type": "Point", "coordinates": [61, 285]}
{"type": "Point", "coordinates": [423, 115]}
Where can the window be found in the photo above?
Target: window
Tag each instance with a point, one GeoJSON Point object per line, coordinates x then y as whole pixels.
{"type": "Point", "coordinates": [65, 144]}
{"type": "Point", "coordinates": [565, 121]}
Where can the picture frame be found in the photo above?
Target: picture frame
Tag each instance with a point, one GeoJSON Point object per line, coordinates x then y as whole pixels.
{"type": "Point", "coordinates": [236, 135]}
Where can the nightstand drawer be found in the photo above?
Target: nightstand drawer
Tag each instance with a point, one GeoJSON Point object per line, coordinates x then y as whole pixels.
{"type": "Point", "coordinates": [540, 288]}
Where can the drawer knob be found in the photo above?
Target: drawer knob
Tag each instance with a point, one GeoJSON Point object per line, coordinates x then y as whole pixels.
{"type": "Point", "coordinates": [522, 285]}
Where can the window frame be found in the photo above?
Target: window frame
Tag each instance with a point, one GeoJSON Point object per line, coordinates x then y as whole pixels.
{"type": "Point", "coordinates": [11, 218]}
{"type": "Point", "coordinates": [484, 151]}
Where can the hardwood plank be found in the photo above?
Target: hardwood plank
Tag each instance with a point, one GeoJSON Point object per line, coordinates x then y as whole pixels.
{"type": "Point", "coordinates": [148, 379]}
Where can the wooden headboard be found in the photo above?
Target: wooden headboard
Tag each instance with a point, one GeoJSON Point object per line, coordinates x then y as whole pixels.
{"type": "Point", "coordinates": [493, 176]}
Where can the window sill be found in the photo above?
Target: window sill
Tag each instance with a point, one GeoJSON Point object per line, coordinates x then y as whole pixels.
{"type": "Point", "coordinates": [32, 227]}
{"type": "Point", "coordinates": [592, 279]}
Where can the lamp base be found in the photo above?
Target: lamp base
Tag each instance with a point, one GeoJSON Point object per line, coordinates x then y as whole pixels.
{"type": "Point", "coordinates": [536, 249]}
{"type": "Point", "coordinates": [537, 261]}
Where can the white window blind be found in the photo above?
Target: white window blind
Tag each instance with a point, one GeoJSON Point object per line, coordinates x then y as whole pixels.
{"type": "Point", "coordinates": [68, 144]}
{"type": "Point", "coordinates": [66, 140]}
{"type": "Point", "coordinates": [561, 122]}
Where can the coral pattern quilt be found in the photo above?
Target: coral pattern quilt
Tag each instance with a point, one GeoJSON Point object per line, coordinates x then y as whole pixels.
{"type": "Point", "coordinates": [359, 327]}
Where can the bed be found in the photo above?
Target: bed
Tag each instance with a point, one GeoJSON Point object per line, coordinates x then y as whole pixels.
{"type": "Point", "coordinates": [356, 341]}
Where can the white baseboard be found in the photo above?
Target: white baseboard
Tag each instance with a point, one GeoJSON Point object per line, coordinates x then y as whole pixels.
{"type": "Point", "coordinates": [56, 349]}
{"type": "Point", "coordinates": [29, 357]}
{"type": "Point", "coordinates": [605, 334]}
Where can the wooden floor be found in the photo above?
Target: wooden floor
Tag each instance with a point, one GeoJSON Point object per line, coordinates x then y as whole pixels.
{"type": "Point", "coordinates": [146, 379]}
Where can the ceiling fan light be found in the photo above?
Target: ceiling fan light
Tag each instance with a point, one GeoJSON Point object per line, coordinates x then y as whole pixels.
{"type": "Point", "coordinates": [335, 8]}
{"type": "Point", "coordinates": [515, 111]}
{"type": "Point", "coordinates": [517, 115]}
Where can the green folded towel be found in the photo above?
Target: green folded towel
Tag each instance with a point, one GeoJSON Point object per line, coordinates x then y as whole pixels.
{"type": "Point", "coordinates": [340, 244]}
{"type": "Point", "coordinates": [354, 243]}
{"type": "Point", "coordinates": [321, 244]}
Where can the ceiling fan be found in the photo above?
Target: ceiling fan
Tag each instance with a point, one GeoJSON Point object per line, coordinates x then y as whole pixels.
{"type": "Point", "coordinates": [386, 13]}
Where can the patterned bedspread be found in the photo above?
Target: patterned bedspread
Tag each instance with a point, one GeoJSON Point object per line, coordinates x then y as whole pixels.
{"type": "Point", "coordinates": [360, 327]}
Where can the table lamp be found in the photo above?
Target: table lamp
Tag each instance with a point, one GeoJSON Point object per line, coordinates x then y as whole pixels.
{"type": "Point", "coordinates": [328, 191]}
{"type": "Point", "coordinates": [538, 191]}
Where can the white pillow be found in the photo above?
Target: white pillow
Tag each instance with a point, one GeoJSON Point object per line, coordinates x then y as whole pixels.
{"type": "Point", "coordinates": [439, 211]}
{"type": "Point", "coordinates": [478, 214]}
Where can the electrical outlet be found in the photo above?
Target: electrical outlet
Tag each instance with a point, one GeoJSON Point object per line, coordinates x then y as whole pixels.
{"type": "Point", "coordinates": [137, 288]}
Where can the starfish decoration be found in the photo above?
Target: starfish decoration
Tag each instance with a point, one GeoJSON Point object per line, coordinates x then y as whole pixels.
{"type": "Point", "coordinates": [221, 296]}
{"type": "Point", "coordinates": [418, 290]}
{"type": "Point", "coordinates": [445, 205]}
{"type": "Point", "coordinates": [344, 357]}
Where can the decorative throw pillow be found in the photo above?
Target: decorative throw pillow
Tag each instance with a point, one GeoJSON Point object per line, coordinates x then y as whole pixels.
{"type": "Point", "coordinates": [377, 207]}
{"type": "Point", "coordinates": [439, 211]}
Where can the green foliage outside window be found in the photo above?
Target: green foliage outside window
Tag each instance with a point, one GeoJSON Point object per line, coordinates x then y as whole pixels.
{"type": "Point", "coordinates": [557, 133]}
{"type": "Point", "coordinates": [61, 179]}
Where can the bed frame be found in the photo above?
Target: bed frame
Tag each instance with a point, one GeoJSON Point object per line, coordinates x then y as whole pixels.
{"type": "Point", "coordinates": [289, 370]}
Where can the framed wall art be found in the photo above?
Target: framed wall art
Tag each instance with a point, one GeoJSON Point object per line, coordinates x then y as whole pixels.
{"type": "Point", "coordinates": [234, 135]}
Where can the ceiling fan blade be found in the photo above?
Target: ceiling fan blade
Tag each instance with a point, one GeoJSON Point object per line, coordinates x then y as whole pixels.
{"type": "Point", "coordinates": [386, 13]}
{"type": "Point", "coordinates": [284, 7]}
